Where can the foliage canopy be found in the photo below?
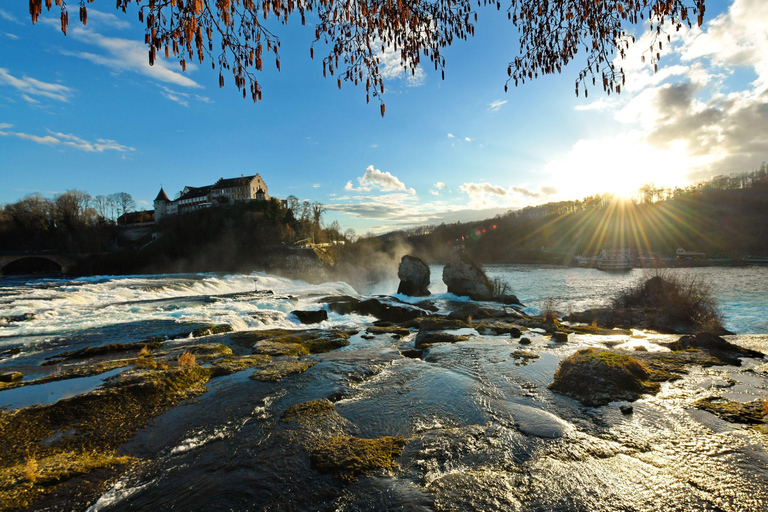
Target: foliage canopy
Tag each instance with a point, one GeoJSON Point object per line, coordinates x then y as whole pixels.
{"type": "Point", "coordinates": [357, 33]}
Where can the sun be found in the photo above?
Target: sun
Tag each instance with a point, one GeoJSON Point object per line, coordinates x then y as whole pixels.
{"type": "Point", "coordinates": [619, 165]}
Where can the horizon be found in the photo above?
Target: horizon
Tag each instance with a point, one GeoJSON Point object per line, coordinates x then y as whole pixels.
{"type": "Point", "coordinates": [450, 150]}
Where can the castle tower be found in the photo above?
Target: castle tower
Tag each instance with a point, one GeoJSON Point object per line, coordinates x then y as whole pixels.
{"type": "Point", "coordinates": [161, 205]}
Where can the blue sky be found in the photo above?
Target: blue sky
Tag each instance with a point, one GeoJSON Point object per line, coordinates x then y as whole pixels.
{"type": "Point", "coordinates": [87, 111]}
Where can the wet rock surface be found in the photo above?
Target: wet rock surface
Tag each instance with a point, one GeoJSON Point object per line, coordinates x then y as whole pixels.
{"type": "Point", "coordinates": [311, 317]}
{"type": "Point", "coordinates": [414, 277]}
{"type": "Point", "coordinates": [463, 277]}
{"type": "Point", "coordinates": [426, 413]}
{"type": "Point", "coordinates": [596, 377]}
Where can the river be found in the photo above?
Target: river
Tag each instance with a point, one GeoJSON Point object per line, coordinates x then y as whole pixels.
{"type": "Point", "coordinates": [484, 432]}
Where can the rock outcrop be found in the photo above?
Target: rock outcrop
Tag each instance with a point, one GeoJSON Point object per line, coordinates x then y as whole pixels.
{"type": "Point", "coordinates": [595, 377]}
{"type": "Point", "coordinates": [464, 277]}
{"type": "Point", "coordinates": [414, 277]}
{"type": "Point", "coordinates": [310, 317]}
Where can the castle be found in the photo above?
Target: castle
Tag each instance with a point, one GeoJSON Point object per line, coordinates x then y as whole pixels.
{"type": "Point", "coordinates": [224, 191]}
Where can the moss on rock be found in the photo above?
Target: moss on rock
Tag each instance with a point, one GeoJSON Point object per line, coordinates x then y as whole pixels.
{"type": "Point", "coordinates": [347, 457]}
{"type": "Point", "coordinates": [753, 412]}
{"type": "Point", "coordinates": [75, 429]}
{"type": "Point", "coordinates": [523, 357]}
{"type": "Point", "coordinates": [596, 376]}
{"type": "Point", "coordinates": [278, 370]}
{"type": "Point", "coordinates": [442, 324]}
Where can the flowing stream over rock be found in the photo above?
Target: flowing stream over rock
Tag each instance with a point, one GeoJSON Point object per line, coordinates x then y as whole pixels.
{"type": "Point", "coordinates": [483, 430]}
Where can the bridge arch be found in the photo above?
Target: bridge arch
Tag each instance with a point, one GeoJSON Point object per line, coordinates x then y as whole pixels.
{"type": "Point", "coordinates": [29, 263]}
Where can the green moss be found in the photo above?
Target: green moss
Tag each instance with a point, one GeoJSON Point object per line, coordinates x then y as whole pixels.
{"type": "Point", "coordinates": [346, 457]}
{"type": "Point", "coordinates": [209, 330]}
{"type": "Point", "coordinates": [397, 332]}
{"type": "Point", "coordinates": [308, 410]}
{"type": "Point", "coordinates": [278, 370]}
{"type": "Point", "coordinates": [442, 324]}
{"type": "Point", "coordinates": [231, 365]}
{"type": "Point", "coordinates": [113, 348]}
{"type": "Point", "coordinates": [753, 412]}
{"type": "Point", "coordinates": [522, 357]}
{"type": "Point", "coordinates": [95, 423]}
{"type": "Point", "coordinates": [22, 482]}
{"type": "Point", "coordinates": [210, 349]}
{"type": "Point", "coordinates": [596, 377]}
{"type": "Point", "coordinates": [298, 343]}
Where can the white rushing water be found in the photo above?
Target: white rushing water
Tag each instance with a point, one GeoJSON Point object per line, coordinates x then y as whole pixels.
{"type": "Point", "coordinates": [33, 309]}
{"type": "Point", "coordinates": [57, 306]}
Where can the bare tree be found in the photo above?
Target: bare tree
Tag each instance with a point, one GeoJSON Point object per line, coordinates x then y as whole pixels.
{"type": "Point", "coordinates": [293, 204]}
{"type": "Point", "coordinates": [32, 213]}
{"type": "Point", "coordinates": [124, 203]}
{"type": "Point", "coordinates": [359, 34]}
{"type": "Point", "coordinates": [306, 210]}
{"type": "Point", "coordinates": [71, 206]}
{"type": "Point", "coordinates": [101, 204]}
{"type": "Point", "coordinates": [317, 213]}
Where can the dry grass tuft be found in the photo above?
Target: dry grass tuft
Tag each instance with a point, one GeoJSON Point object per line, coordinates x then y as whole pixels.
{"type": "Point", "coordinates": [186, 359]}
{"type": "Point", "coordinates": [144, 352]}
{"type": "Point", "coordinates": [31, 472]}
{"type": "Point", "coordinates": [549, 311]}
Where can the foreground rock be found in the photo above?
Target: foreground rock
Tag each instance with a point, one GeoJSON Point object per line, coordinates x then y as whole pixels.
{"type": "Point", "coordinates": [464, 277]}
{"type": "Point", "coordinates": [596, 377]}
{"type": "Point", "coordinates": [716, 346]}
{"type": "Point", "coordinates": [754, 412]}
{"type": "Point", "coordinates": [414, 277]}
{"type": "Point", "coordinates": [427, 338]}
{"type": "Point", "coordinates": [311, 317]}
{"type": "Point", "coordinates": [285, 342]}
{"type": "Point", "coordinates": [325, 435]}
{"type": "Point", "coordinates": [345, 305]}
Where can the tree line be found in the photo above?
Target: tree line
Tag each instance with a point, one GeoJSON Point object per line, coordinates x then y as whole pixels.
{"type": "Point", "coordinates": [723, 216]}
{"type": "Point", "coordinates": [71, 221]}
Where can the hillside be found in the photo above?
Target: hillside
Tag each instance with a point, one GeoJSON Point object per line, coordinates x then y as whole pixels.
{"type": "Point", "coordinates": [726, 222]}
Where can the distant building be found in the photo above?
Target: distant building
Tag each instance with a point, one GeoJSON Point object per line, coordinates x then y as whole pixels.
{"type": "Point", "coordinates": [682, 254]}
{"type": "Point", "coordinates": [224, 191]}
{"type": "Point", "coordinates": [617, 258]}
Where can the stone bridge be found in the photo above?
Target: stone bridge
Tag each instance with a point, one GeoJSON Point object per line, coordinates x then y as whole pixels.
{"type": "Point", "coordinates": [65, 261]}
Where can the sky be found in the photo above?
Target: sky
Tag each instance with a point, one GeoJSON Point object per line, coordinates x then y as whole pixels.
{"type": "Point", "coordinates": [86, 111]}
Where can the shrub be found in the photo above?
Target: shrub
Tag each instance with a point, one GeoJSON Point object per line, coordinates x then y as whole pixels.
{"type": "Point", "coordinates": [500, 288]}
{"type": "Point", "coordinates": [682, 299]}
{"type": "Point", "coordinates": [186, 359]}
{"type": "Point", "coordinates": [549, 311]}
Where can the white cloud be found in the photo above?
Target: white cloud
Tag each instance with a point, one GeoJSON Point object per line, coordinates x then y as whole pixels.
{"type": "Point", "coordinates": [699, 116]}
{"type": "Point", "coordinates": [450, 135]}
{"type": "Point", "coordinates": [182, 98]}
{"type": "Point", "coordinates": [434, 192]}
{"type": "Point", "coordinates": [496, 105]}
{"type": "Point", "coordinates": [376, 179]}
{"type": "Point", "coordinates": [99, 18]}
{"type": "Point", "coordinates": [67, 140]}
{"type": "Point", "coordinates": [11, 36]}
{"type": "Point", "coordinates": [316, 185]}
{"type": "Point", "coordinates": [439, 185]}
{"type": "Point", "coordinates": [484, 195]}
{"type": "Point", "coordinates": [123, 55]}
{"type": "Point", "coordinates": [30, 87]}
{"type": "Point", "coordinates": [391, 68]}
{"type": "Point", "coordinates": [7, 16]}
{"type": "Point", "coordinates": [467, 139]}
